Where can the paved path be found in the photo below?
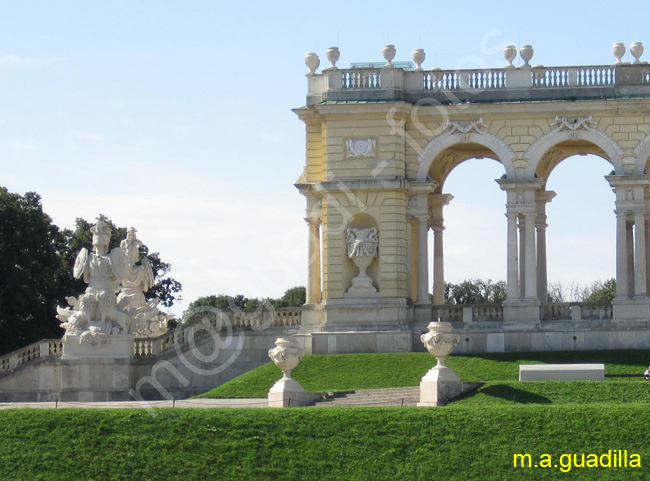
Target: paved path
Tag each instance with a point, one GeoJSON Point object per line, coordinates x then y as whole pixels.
{"type": "Point", "coordinates": [185, 403]}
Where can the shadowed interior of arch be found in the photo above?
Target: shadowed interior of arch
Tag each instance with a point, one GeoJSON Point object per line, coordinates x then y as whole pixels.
{"type": "Point", "coordinates": [563, 150]}
{"type": "Point", "coordinates": [453, 156]}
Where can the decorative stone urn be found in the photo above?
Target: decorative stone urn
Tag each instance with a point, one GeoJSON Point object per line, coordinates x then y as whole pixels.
{"type": "Point", "coordinates": [418, 57]}
{"type": "Point", "coordinates": [312, 61]}
{"type": "Point", "coordinates": [362, 249]}
{"type": "Point", "coordinates": [526, 52]}
{"type": "Point", "coordinates": [333, 54]}
{"type": "Point", "coordinates": [440, 341]}
{"type": "Point", "coordinates": [440, 384]}
{"type": "Point", "coordinates": [286, 355]}
{"type": "Point", "coordinates": [618, 49]}
{"type": "Point", "coordinates": [287, 391]}
{"type": "Point", "coordinates": [636, 49]}
{"type": "Point", "coordinates": [389, 52]}
{"type": "Point", "coordinates": [510, 53]}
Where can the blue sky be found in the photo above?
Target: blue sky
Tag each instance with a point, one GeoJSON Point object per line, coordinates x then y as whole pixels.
{"type": "Point", "coordinates": [175, 117]}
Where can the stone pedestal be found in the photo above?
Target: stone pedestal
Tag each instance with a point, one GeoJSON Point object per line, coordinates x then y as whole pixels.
{"type": "Point", "coordinates": [311, 318]}
{"type": "Point", "coordinates": [288, 392]}
{"type": "Point", "coordinates": [521, 312]}
{"type": "Point", "coordinates": [438, 386]}
{"type": "Point", "coordinates": [364, 314]}
{"type": "Point", "coordinates": [118, 346]}
{"type": "Point", "coordinates": [634, 308]}
{"type": "Point", "coordinates": [94, 380]}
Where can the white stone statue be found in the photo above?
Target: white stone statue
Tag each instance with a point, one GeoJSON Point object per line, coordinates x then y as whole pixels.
{"type": "Point", "coordinates": [362, 249]}
{"type": "Point", "coordinates": [99, 313]}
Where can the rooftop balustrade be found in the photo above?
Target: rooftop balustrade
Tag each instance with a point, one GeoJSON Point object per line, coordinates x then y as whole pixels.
{"type": "Point", "coordinates": [508, 84]}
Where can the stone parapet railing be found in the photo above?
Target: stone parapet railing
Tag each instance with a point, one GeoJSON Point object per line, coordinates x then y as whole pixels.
{"type": "Point", "coordinates": [47, 348]}
{"type": "Point", "coordinates": [558, 311]}
{"type": "Point", "coordinates": [576, 311]}
{"type": "Point", "coordinates": [218, 320]}
{"type": "Point", "coordinates": [483, 85]}
{"type": "Point", "coordinates": [467, 313]}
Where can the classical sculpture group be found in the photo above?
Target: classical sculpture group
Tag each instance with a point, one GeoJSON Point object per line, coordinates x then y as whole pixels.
{"type": "Point", "coordinates": [114, 301]}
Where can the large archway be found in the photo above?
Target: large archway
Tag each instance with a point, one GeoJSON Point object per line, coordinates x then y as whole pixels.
{"type": "Point", "coordinates": [581, 241]}
{"type": "Point", "coordinates": [475, 167]}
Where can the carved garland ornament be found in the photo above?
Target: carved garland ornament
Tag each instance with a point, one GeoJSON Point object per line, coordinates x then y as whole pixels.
{"type": "Point", "coordinates": [464, 131]}
{"type": "Point", "coordinates": [586, 124]}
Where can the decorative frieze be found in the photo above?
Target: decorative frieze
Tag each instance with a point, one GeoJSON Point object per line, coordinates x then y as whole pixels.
{"type": "Point", "coordinates": [361, 148]}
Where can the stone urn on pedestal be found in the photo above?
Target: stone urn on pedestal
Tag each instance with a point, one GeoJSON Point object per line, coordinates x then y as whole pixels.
{"type": "Point", "coordinates": [287, 391]}
{"type": "Point", "coordinates": [362, 249]}
{"type": "Point", "coordinates": [440, 384]}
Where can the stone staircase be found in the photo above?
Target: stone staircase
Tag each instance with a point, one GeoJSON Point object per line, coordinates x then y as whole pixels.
{"type": "Point", "coordinates": [400, 396]}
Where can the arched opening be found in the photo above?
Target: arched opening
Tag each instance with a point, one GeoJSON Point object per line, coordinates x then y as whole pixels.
{"type": "Point", "coordinates": [473, 222]}
{"type": "Point", "coordinates": [581, 233]}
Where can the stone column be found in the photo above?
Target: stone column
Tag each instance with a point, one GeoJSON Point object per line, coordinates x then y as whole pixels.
{"type": "Point", "coordinates": [313, 294]}
{"type": "Point", "coordinates": [621, 254]}
{"type": "Point", "coordinates": [629, 237]}
{"type": "Point", "coordinates": [640, 286]}
{"type": "Point", "coordinates": [542, 276]}
{"type": "Point", "coordinates": [522, 257]}
{"type": "Point", "coordinates": [531, 258]}
{"type": "Point", "coordinates": [513, 269]}
{"type": "Point", "coordinates": [438, 266]}
{"type": "Point", "coordinates": [438, 201]}
{"type": "Point", "coordinates": [647, 243]}
{"type": "Point", "coordinates": [541, 199]}
{"type": "Point", "coordinates": [423, 260]}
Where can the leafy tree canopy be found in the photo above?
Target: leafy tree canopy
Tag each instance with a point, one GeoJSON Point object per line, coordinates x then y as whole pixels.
{"type": "Point", "coordinates": [475, 291]}
{"type": "Point", "coordinates": [294, 297]}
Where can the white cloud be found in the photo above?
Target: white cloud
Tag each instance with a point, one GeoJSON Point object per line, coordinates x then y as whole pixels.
{"type": "Point", "coordinates": [15, 61]}
{"type": "Point", "coordinates": [88, 136]}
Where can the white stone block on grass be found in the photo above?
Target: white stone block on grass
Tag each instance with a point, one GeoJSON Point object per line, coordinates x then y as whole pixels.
{"type": "Point", "coordinates": [562, 372]}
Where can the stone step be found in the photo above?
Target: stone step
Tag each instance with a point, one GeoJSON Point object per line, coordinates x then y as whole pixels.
{"type": "Point", "coordinates": [408, 396]}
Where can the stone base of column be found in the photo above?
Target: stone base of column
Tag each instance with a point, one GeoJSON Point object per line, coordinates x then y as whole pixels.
{"type": "Point", "coordinates": [522, 312]}
{"type": "Point", "coordinates": [364, 314]}
{"type": "Point", "coordinates": [311, 318]}
{"type": "Point", "coordinates": [288, 392]}
{"type": "Point", "coordinates": [631, 308]}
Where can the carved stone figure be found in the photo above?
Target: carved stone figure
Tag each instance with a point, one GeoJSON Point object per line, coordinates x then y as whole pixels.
{"type": "Point", "coordinates": [99, 313]}
{"type": "Point", "coordinates": [362, 247]}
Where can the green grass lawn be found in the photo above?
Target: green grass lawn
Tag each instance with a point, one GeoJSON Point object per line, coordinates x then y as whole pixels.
{"type": "Point", "coordinates": [342, 372]}
{"type": "Point", "coordinates": [473, 438]}
{"type": "Point", "coordinates": [457, 442]}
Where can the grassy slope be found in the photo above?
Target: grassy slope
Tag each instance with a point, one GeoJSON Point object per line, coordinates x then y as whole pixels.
{"type": "Point", "coordinates": [455, 442]}
{"type": "Point", "coordinates": [341, 372]}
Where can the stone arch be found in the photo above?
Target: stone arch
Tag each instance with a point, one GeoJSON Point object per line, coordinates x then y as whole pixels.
{"type": "Point", "coordinates": [611, 150]}
{"type": "Point", "coordinates": [436, 146]}
{"type": "Point", "coordinates": [642, 152]}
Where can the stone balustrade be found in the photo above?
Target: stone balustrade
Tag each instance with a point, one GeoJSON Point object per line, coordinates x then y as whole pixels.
{"type": "Point", "coordinates": [241, 319]}
{"type": "Point", "coordinates": [558, 311]}
{"type": "Point", "coordinates": [486, 85]}
{"type": "Point", "coordinates": [51, 348]}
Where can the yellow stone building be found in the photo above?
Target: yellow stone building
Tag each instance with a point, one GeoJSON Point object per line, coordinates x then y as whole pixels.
{"type": "Point", "coordinates": [380, 143]}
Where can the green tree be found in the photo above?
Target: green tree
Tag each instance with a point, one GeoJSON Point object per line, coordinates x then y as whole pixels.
{"type": "Point", "coordinates": [294, 297]}
{"type": "Point", "coordinates": [475, 291]}
{"type": "Point", "coordinates": [602, 292]}
{"type": "Point", "coordinates": [31, 268]}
